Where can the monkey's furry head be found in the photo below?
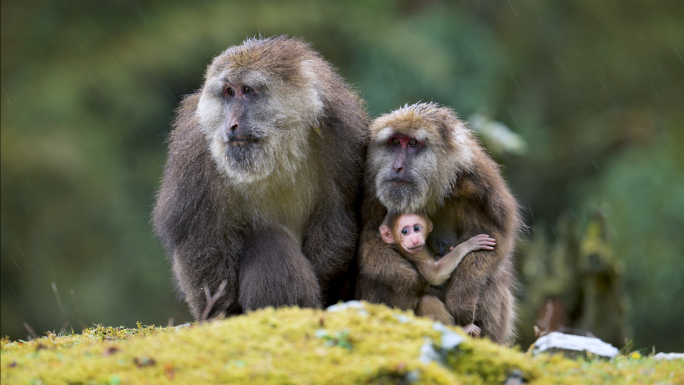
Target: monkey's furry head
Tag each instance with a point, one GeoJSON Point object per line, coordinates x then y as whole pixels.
{"type": "Point", "coordinates": [440, 136]}
{"type": "Point", "coordinates": [271, 92]}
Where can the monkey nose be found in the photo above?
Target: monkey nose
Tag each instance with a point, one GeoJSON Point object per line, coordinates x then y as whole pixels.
{"type": "Point", "coordinates": [229, 134]}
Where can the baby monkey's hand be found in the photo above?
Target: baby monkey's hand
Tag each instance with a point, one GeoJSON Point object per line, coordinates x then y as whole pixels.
{"type": "Point", "coordinates": [480, 242]}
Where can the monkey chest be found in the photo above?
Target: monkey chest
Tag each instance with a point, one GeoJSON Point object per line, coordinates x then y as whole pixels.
{"type": "Point", "coordinates": [286, 208]}
{"type": "Point", "coordinates": [444, 233]}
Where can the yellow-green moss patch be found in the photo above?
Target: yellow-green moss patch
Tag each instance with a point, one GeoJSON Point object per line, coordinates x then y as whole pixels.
{"type": "Point", "coordinates": [300, 346]}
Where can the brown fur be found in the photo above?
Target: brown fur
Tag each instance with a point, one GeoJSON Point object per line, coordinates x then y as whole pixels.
{"type": "Point", "coordinates": [432, 307]}
{"type": "Point", "coordinates": [435, 271]}
{"type": "Point", "coordinates": [288, 236]}
{"type": "Point", "coordinates": [464, 194]}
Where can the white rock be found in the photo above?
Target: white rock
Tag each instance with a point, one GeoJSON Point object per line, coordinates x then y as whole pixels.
{"type": "Point", "coordinates": [450, 339]}
{"type": "Point", "coordinates": [345, 305]}
{"type": "Point", "coordinates": [669, 356]}
{"type": "Point", "coordinates": [428, 353]}
{"type": "Point", "coordinates": [557, 340]}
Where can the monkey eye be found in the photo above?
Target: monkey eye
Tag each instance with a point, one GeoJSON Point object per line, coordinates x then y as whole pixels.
{"type": "Point", "coordinates": [230, 91]}
{"type": "Point", "coordinates": [416, 228]}
{"type": "Point", "coordinates": [404, 231]}
{"type": "Point", "coordinates": [413, 142]}
{"type": "Point", "coordinates": [396, 142]}
{"type": "Point", "coordinates": [247, 89]}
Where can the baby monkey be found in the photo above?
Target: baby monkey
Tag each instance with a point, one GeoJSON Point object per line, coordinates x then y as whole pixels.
{"type": "Point", "coordinates": [408, 232]}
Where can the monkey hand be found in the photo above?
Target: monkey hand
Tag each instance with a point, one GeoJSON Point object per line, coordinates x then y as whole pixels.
{"type": "Point", "coordinates": [472, 329]}
{"type": "Point", "coordinates": [480, 242]}
{"type": "Point", "coordinates": [444, 248]}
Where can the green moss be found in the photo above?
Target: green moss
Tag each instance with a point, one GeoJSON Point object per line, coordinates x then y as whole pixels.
{"type": "Point", "coordinates": [295, 346]}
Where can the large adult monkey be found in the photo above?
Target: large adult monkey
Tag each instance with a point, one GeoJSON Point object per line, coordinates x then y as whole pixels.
{"type": "Point", "coordinates": [262, 180]}
{"type": "Point", "coordinates": [422, 158]}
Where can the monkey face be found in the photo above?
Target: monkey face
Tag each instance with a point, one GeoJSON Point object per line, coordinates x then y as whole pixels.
{"type": "Point", "coordinates": [402, 167]}
{"type": "Point", "coordinates": [415, 155]}
{"type": "Point", "coordinates": [257, 120]}
{"type": "Point", "coordinates": [411, 231]}
{"type": "Point", "coordinates": [408, 230]}
{"type": "Point", "coordinates": [228, 111]}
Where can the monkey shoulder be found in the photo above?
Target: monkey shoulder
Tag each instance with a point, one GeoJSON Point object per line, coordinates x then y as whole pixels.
{"type": "Point", "coordinates": [372, 211]}
{"type": "Point", "coordinates": [191, 193]}
{"type": "Point", "coordinates": [339, 146]}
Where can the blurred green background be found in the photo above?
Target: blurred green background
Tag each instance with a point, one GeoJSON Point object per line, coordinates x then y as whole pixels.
{"type": "Point", "coordinates": [582, 102]}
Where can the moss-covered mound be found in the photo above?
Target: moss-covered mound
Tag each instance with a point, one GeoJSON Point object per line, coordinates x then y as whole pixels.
{"type": "Point", "coordinates": [303, 346]}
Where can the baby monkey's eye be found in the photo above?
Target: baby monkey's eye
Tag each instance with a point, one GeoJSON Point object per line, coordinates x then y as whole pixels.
{"type": "Point", "coordinates": [413, 142]}
{"type": "Point", "coordinates": [416, 228]}
{"type": "Point", "coordinates": [396, 142]}
{"type": "Point", "coordinates": [246, 89]}
{"type": "Point", "coordinates": [404, 231]}
{"type": "Point", "coordinates": [230, 91]}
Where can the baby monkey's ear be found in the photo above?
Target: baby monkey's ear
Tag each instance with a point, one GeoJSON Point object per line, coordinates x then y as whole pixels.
{"type": "Point", "coordinates": [386, 234]}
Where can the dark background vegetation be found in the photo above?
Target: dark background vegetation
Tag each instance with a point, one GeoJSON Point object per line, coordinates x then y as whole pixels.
{"type": "Point", "coordinates": [594, 88]}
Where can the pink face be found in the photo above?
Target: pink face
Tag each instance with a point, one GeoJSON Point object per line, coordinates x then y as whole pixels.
{"type": "Point", "coordinates": [411, 231]}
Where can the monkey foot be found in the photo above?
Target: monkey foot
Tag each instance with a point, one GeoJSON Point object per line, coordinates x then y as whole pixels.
{"type": "Point", "coordinates": [472, 329]}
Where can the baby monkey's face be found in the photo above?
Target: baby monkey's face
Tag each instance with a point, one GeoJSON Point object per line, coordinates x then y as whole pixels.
{"type": "Point", "coordinates": [411, 231]}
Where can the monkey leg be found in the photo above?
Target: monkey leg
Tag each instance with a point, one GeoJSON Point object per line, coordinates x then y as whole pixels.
{"type": "Point", "coordinates": [330, 244]}
{"type": "Point", "coordinates": [432, 307]}
{"type": "Point", "coordinates": [495, 312]}
{"type": "Point", "coordinates": [480, 293]}
{"type": "Point", "coordinates": [207, 264]}
{"type": "Point", "coordinates": [274, 272]}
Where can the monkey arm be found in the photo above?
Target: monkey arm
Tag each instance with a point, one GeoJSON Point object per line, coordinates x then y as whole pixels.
{"type": "Point", "coordinates": [484, 207]}
{"type": "Point", "coordinates": [186, 221]}
{"type": "Point", "coordinates": [196, 266]}
{"type": "Point", "coordinates": [472, 276]}
{"type": "Point", "coordinates": [468, 281]}
{"type": "Point", "coordinates": [331, 234]}
{"type": "Point", "coordinates": [329, 244]}
{"type": "Point", "coordinates": [437, 272]}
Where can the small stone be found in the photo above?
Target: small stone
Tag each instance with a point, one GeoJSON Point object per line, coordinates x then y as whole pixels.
{"type": "Point", "coordinates": [669, 356]}
{"type": "Point", "coordinates": [345, 305]}
{"type": "Point", "coordinates": [429, 354]}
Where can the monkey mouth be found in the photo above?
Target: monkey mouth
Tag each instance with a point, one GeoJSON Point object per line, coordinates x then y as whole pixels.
{"type": "Point", "coordinates": [399, 182]}
{"type": "Point", "coordinates": [238, 141]}
{"type": "Point", "coordinates": [401, 193]}
{"type": "Point", "coordinates": [416, 249]}
{"type": "Point", "coordinates": [242, 153]}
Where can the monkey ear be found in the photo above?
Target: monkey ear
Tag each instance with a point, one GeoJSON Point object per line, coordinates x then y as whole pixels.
{"type": "Point", "coordinates": [429, 225]}
{"type": "Point", "coordinates": [386, 234]}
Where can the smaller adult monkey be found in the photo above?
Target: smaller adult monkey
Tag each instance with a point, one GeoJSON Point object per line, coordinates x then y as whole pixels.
{"type": "Point", "coordinates": [408, 232]}
{"type": "Point", "coordinates": [423, 158]}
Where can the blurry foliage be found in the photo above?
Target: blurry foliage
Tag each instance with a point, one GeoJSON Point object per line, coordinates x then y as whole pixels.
{"type": "Point", "coordinates": [575, 285]}
{"type": "Point", "coordinates": [595, 90]}
{"type": "Point", "coordinates": [373, 345]}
